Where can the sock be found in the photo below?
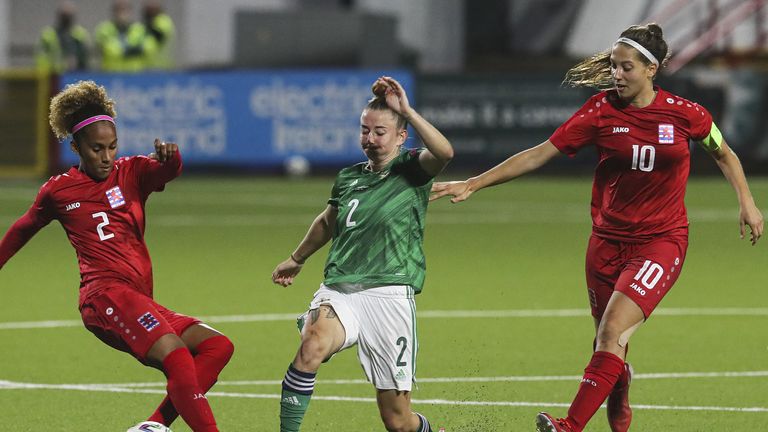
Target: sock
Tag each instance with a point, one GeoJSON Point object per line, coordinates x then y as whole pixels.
{"type": "Point", "coordinates": [185, 392]}
{"type": "Point", "coordinates": [294, 401]}
{"type": "Point", "coordinates": [423, 424]}
{"type": "Point", "coordinates": [624, 376]}
{"type": "Point", "coordinates": [622, 379]}
{"type": "Point", "coordinates": [212, 355]}
{"type": "Point", "coordinates": [599, 378]}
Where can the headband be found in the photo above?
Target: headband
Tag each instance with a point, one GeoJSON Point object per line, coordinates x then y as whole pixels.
{"type": "Point", "coordinates": [642, 49]}
{"type": "Point", "coordinates": [90, 120]}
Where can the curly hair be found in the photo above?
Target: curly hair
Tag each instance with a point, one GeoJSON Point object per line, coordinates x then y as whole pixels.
{"type": "Point", "coordinates": [595, 71]}
{"type": "Point", "coordinates": [76, 103]}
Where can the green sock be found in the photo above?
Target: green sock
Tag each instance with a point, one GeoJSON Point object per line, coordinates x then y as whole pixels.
{"type": "Point", "coordinates": [294, 400]}
{"type": "Point", "coordinates": [293, 406]}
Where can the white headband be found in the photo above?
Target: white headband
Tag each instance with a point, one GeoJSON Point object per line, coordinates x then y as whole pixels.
{"type": "Point", "coordinates": [640, 48]}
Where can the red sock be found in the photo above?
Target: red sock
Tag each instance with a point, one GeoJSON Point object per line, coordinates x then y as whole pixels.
{"type": "Point", "coordinates": [599, 378]}
{"type": "Point", "coordinates": [185, 392]}
{"type": "Point", "coordinates": [212, 355]}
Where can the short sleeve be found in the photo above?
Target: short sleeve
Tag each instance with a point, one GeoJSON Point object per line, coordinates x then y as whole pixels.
{"type": "Point", "coordinates": [580, 130]}
{"type": "Point", "coordinates": [700, 122]}
{"type": "Point", "coordinates": [335, 193]}
{"type": "Point", "coordinates": [411, 168]}
{"type": "Point", "coordinates": [42, 210]}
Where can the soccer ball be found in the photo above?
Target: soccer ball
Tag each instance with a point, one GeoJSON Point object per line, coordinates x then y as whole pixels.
{"type": "Point", "coordinates": [296, 166]}
{"type": "Point", "coordinates": [149, 426]}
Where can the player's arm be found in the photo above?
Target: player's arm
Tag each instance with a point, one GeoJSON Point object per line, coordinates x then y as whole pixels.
{"type": "Point", "coordinates": [20, 233]}
{"type": "Point", "coordinates": [319, 233]}
{"type": "Point", "coordinates": [160, 166]}
{"type": "Point", "coordinates": [729, 164]}
{"type": "Point", "coordinates": [515, 166]}
{"type": "Point", "coordinates": [439, 150]}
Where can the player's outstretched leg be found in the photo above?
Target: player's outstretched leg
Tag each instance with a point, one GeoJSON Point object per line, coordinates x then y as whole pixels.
{"type": "Point", "coordinates": [322, 335]}
{"type": "Point", "coordinates": [211, 355]}
{"type": "Point", "coordinates": [621, 318]}
{"type": "Point", "coordinates": [294, 399]}
{"type": "Point", "coordinates": [185, 392]}
{"type": "Point", "coordinates": [171, 355]}
{"type": "Point", "coordinates": [618, 409]}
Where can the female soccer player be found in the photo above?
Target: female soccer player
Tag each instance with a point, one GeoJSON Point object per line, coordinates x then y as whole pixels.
{"type": "Point", "coordinates": [375, 219]}
{"type": "Point", "coordinates": [640, 229]}
{"type": "Point", "coordinates": [100, 204]}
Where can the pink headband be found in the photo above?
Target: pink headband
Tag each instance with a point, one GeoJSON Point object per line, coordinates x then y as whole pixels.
{"type": "Point", "coordinates": [90, 120]}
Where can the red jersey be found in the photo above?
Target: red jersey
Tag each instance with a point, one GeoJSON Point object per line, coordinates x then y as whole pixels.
{"type": "Point", "coordinates": [104, 221]}
{"type": "Point", "coordinates": [644, 161]}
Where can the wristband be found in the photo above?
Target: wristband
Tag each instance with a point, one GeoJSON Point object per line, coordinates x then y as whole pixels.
{"type": "Point", "coordinates": [299, 262]}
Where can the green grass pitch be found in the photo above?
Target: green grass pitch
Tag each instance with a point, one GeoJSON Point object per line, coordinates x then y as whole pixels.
{"type": "Point", "coordinates": [504, 329]}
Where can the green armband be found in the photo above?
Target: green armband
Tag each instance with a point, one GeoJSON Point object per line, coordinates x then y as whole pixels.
{"type": "Point", "coordinates": [712, 141]}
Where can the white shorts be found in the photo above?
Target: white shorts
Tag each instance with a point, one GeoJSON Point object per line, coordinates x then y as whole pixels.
{"type": "Point", "coordinates": [382, 322]}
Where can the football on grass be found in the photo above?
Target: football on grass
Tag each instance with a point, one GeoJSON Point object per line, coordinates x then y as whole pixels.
{"type": "Point", "coordinates": [149, 426]}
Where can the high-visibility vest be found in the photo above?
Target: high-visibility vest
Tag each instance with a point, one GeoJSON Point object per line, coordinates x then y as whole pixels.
{"type": "Point", "coordinates": [165, 39]}
{"type": "Point", "coordinates": [124, 52]}
{"type": "Point", "coordinates": [57, 57]}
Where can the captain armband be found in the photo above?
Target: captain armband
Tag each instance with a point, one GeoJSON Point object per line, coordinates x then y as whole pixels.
{"type": "Point", "coordinates": [714, 140]}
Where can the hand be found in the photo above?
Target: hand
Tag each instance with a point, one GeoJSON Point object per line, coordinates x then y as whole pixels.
{"type": "Point", "coordinates": [395, 95]}
{"type": "Point", "coordinates": [459, 190]}
{"type": "Point", "coordinates": [751, 216]}
{"type": "Point", "coordinates": [285, 272]}
{"type": "Point", "coordinates": [163, 151]}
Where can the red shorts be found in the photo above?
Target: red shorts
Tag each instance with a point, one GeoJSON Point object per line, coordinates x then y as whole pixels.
{"type": "Point", "coordinates": [644, 272]}
{"type": "Point", "coordinates": [129, 321]}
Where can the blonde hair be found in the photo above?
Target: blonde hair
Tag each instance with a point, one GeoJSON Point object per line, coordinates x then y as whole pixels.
{"type": "Point", "coordinates": [77, 102]}
{"type": "Point", "coordinates": [595, 71]}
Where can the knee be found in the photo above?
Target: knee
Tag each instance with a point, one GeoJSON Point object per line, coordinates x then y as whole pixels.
{"type": "Point", "coordinates": [606, 336]}
{"type": "Point", "coordinates": [218, 348]}
{"type": "Point", "coordinates": [609, 337]}
{"type": "Point", "coordinates": [226, 349]}
{"type": "Point", "coordinates": [163, 347]}
{"type": "Point", "coordinates": [315, 347]}
{"type": "Point", "coordinates": [397, 422]}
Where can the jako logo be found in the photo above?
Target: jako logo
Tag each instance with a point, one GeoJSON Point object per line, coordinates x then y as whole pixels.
{"type": "Point", "coordinates": [73, 206]}
{"type": "Point", "coordinates": [589, 381]}
{"type": "Point", "coordinates": [617, 129]}
{"type": "Point", "coordinates": [635, 287]}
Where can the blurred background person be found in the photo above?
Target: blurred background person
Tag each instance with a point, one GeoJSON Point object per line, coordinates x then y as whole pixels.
{"type": "Point", "coordinates": [124, 44]}
{"type": "Point", "coordinates": [161, 28]}
{"type": "Point", "coordinates": [65, 45]}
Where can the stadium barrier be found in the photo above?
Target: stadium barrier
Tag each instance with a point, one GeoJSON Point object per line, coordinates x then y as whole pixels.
{"type": "Point", "coordinates": [24, 147]}
{"type": "Point", "coordinates": [243, 119]}
{"type": "Point", "coordinates": [262, 119]}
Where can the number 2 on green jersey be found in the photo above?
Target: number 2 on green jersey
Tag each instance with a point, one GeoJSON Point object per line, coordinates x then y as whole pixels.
{"type": "Point", "coordinates": [353, 203]}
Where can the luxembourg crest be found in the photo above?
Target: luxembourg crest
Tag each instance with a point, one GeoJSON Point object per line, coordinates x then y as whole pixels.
{"type": "Point", "coordinates": [666, 134]}
{"type": "Point", "coordinates": [115, 197]}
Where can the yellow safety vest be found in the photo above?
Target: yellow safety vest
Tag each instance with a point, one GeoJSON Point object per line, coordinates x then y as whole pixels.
{"type": "Point", "coordinates": [124, 52]}
{"type": "Point", "coordinates": [50, 56]}
{"type": "Point", "coordinates": [163, 58]}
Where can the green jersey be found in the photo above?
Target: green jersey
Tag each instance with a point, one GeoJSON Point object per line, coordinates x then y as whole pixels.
{"type": "Point", "coordinates": [379, 228]}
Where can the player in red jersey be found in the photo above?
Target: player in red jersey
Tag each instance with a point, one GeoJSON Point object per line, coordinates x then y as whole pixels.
{"type": "Point", "coordinates": [640, 229]}
{"type": "Point", "coordinates": [100, 204]}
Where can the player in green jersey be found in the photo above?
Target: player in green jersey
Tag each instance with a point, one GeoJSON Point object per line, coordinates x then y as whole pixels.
{"type": "Point", "coordinates": [375, 220]}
